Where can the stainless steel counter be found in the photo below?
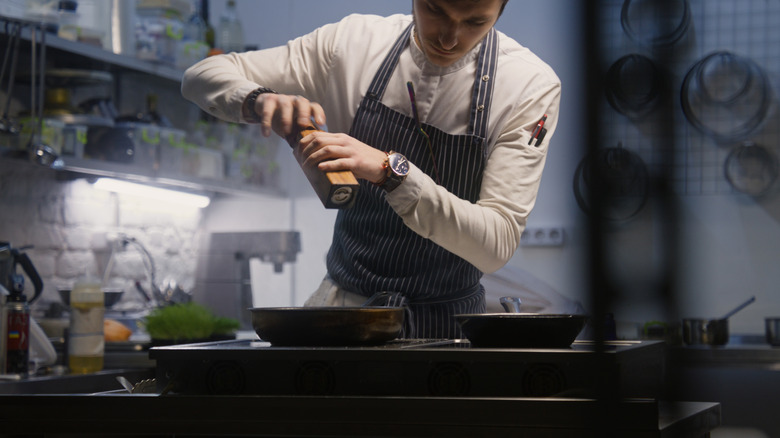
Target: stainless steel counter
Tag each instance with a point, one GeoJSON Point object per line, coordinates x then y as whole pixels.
{"type": "Point", "coordinates": [732, 354]}
{"type": "Point", "coordinates": [743, 377]}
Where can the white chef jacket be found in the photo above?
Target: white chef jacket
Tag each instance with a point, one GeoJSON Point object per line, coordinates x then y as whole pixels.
{"type": "Point", "coordinates": [334, 65]}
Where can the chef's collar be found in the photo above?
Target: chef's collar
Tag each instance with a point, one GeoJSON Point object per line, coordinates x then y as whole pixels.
{"type": "Point", "coordinates": [429, 68]}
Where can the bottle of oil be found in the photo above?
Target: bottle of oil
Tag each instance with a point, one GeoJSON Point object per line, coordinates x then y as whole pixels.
{"type": "Point", "coordinates": [17, 315]}
{"type": "Point", "coordinates": [85, 342]}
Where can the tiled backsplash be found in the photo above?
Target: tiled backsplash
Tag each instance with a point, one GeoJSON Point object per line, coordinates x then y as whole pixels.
{"type": "Point", "coordinates": [69, 225]}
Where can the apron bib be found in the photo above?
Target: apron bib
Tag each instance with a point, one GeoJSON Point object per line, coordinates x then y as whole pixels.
{"type": "Point", "coordinates": [373, 252]}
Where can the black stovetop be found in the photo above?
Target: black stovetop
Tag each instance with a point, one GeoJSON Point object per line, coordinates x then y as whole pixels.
{"type": "Point", "coordinates": [409, 368]}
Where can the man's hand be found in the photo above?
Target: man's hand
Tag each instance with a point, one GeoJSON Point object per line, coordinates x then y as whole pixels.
{"type": "Point", "coordinates": [334, 152]}
{"type": "Point", "coordinates": [278, 112]}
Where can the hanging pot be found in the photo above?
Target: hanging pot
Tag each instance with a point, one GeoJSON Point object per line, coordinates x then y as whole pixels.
{"type": "Point", "coordinates": [726, 96]}
{"type": "Point", "coordinates": [634, 86]}
{"type": "Point", "coordinates": [751, 169]}
{"type": "Point", "coordinates": [619, 177]}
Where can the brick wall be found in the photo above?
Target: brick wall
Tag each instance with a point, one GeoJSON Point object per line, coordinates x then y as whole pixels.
{"type": "Point", "coordinates": [69, 224]}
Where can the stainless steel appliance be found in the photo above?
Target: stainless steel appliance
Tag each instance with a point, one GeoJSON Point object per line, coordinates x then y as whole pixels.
{"type": "Point", "coordinates": [222, 280]}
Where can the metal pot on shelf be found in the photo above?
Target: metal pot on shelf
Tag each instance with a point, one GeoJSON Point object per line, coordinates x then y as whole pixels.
{"type": "Point", "coordinates": [772, 327]}
{"type": "Point", "coordinates": [697, 331]}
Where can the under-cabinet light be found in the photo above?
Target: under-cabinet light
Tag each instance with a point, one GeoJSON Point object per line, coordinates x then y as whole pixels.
{"type": "Point", "coordinates": [118, 186]}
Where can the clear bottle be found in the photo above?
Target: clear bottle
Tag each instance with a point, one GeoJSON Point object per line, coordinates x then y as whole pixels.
{"type": "Point", "coordinates": [230, 33]}
{"type": "Point", "coordinates": [86, 344]}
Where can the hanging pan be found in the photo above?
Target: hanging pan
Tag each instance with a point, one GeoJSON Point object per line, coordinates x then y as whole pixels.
{"type": "Point", "coordinates": [726, 96]}
{"type": "Point", "coordinates": [751, 169]}
{"type": "Point", "coordinates": [619, 177]}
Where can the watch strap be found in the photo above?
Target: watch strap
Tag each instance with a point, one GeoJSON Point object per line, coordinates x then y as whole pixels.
{"type": "Point", "coordinates": [392, 180]}
{"type": "Point", "coordinates": [250, 115]}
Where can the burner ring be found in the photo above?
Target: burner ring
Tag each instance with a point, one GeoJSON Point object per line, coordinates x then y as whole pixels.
{"type": "Point", "coordinates": [315, 378]}
{"type": "Point", "coordinates": [449, 379]}
{"type": "Point", "coordinates": [225, 377]}
{"type": "Point", "coordinates": [543, 380]}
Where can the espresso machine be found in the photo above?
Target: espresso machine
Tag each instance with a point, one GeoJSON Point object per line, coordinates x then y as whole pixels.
{"type": "Point", "coordinates": [223, 278]}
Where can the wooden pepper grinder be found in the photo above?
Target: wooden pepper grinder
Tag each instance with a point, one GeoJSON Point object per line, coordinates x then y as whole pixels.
{"type": "Point", "coordinates": [335, 189]}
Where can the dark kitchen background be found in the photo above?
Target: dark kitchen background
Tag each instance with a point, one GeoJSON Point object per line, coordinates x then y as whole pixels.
{"type": "Point", "coordinates": [674, 101]}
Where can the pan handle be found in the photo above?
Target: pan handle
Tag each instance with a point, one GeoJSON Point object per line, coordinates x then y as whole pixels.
{"type": "Point", "coordinates": [510, 304]}
{"type": "Point", "coordinates": [395, 299]}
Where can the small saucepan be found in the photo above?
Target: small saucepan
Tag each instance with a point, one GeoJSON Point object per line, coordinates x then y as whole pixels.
{"type": "Point", "coordinates": [710, 331]}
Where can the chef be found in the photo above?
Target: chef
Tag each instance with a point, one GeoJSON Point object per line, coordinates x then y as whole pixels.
{"type": "Point", "coordinates": [445, 122]}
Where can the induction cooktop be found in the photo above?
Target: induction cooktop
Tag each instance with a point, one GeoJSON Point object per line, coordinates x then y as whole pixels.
{"type": "Point", "coordinates": [412, 367]}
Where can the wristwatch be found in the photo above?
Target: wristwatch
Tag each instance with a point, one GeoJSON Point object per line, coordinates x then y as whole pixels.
{"type": "Point", "coordinates": [397, 167]}
{"type": "Point", "coordinates": [251, 115]}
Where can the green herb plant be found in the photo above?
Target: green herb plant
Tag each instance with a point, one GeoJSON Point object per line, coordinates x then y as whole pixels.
{"type": "Point", "coordinates": [187, 321]}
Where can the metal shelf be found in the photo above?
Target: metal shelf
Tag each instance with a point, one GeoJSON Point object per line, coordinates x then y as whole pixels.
{"type": "Point", "coordinates": [98, 53]}
{"type": "Point", "coordinates": [97, 168]}
{"type": "Point", "coordinates": [138, 174]}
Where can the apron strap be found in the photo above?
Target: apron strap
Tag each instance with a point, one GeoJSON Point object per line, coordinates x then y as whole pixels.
{"type": "Point", "coordinates": [483, 85]}
{"type": "Point", "coordinates": [382, 76]}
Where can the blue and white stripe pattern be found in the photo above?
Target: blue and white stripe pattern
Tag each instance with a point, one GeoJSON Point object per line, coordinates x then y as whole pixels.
{"type": "Point", "coordinates": [373, 251]}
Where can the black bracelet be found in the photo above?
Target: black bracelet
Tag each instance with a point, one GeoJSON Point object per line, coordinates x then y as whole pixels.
{"type": "Point", "coordinates": [253, 117]}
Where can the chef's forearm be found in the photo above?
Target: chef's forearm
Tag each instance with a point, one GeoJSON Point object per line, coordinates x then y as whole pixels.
{"type": "Point", "coordinates": [485, 236]}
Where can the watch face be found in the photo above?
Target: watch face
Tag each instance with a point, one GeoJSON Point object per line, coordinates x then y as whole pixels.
{"type": "Point", "coordinates": [399, 164]}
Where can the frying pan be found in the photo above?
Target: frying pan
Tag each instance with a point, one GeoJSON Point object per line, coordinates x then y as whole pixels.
{"type": "Point", "coordinates": [521, 330]}
{"type": "Point", "coordinates": [327, 326]}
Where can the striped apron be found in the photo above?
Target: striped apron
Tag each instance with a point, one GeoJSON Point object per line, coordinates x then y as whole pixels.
{"type": "Point", "coordinates": [373, 253]}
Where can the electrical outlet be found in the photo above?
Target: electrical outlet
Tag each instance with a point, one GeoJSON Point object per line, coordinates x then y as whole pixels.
{"type": "Point", "coordinates": [542, 236]}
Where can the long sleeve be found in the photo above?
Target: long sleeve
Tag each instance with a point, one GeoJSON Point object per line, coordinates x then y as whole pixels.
{"type": "Point", "coordinates": [334, 65]}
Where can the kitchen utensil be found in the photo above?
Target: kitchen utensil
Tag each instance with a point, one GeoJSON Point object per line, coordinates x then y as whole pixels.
{"type": "Point", "coordinates": [125, 383]}
{"type": "Point", "coordinates": [333, 326]}
{"type": "Point", "coordinates": [38, 151]}
{"type": "Point", "coordinates": [521, 330]}
{"type": "Point", "coordinates": [751, 168]}
{"type": "Point", "coordinates": [618, 176]}
{"type": "Point", "coordinates": [110, 296]}
{"type": "Point", "coordinates": [726, 96]}
{"type": "Point", "coordinates": [12, 49]}
{"type": "Point", "coordinates": [710, 331]}
{"type": "Point", "coordinates": [653, 23]}
{"type": "Point", "coordinates": [772, 326]}
{"type": "Point", "coordinates": [634, 86]}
